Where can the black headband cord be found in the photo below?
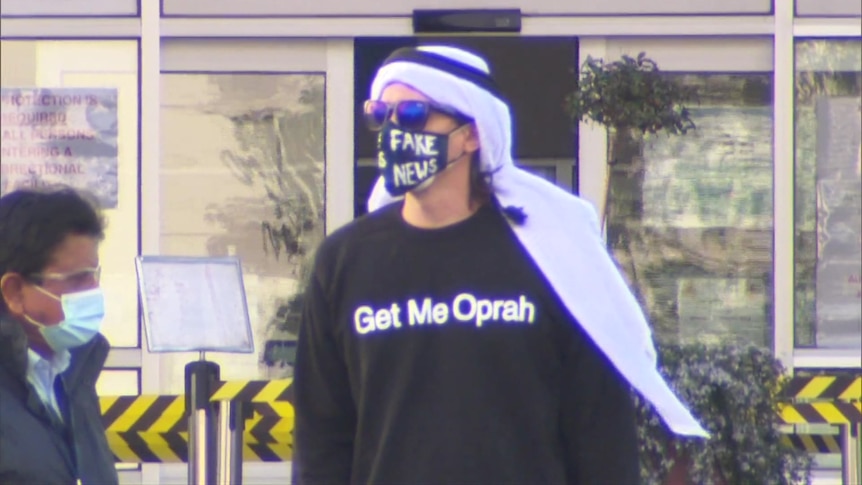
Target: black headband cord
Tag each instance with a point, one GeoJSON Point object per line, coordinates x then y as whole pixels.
{"type": "Point", "coordinates": [443, 63]}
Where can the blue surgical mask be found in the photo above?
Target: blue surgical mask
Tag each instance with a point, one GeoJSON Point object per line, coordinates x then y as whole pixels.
{"type": "Point", "coordinates": [83, 313]}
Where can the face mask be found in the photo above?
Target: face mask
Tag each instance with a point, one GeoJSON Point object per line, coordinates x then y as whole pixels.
{"type": "Point", "coordinates": [83, 313]}
{"type": "Point", "coordinates": [409, 160]}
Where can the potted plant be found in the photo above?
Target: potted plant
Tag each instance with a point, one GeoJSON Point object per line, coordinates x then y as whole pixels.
{"type": "Point", "coordinates": [733, 389]}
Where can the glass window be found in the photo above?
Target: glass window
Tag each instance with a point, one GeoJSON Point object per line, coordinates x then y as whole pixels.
{"type": "Point", "coordinates": [548, 173]}
{"type": "Point", "coordinates": [119, 382]}
{"type": "Point", "coordinates": [828, 197]}
{"type": "Point", "coordinates": [69, 8]}
{"type": "Point", "coordinates": [242, 173]}
{"type": "Point", "coordinates": [690, 216]}
{"type": "Point", "coordinates": [70, 116]}
{"type": "Point", "coordinates": [828, 8]}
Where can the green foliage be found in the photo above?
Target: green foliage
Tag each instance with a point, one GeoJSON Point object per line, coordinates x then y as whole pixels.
{"type": "Point", "coordinates": [630, 93]}
{"type": "Point", "coordinates": [735, 391]}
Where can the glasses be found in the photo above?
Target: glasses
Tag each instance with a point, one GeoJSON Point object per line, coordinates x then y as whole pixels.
{"type": "Point", "coordinates": [410, 115]}
{"type": "Point", "coordinates": [77, 279]}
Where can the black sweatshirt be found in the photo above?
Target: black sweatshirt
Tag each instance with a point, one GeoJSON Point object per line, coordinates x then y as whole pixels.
{"type": "Point", "coordinates": [444, 357]}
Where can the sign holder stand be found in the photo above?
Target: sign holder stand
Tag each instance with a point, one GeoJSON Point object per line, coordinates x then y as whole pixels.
{"type": "Point", "coordinates": [231, 425]}
{"type": "Point", "coordinates": [194, 304]}
{"type": "Point", "coordinates": [201, 377]}
{"type": "Point", "coordinates": [851, 449]}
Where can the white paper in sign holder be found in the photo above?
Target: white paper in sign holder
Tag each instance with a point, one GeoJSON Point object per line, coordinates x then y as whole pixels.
{"type": "Point", "coordinates": [194, 304]}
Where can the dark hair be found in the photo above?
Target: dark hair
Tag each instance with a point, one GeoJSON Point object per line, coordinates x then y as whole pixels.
{"type": "Point", "coordinates": [34, 222]}
{"type": "Point", "coordinates": [482, 192]}
{"type": "Point", "coordinates": [480, 182]}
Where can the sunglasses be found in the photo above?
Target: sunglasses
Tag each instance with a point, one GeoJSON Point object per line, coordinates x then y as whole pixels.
{"type": "Point", "coordinates": [410, 115]}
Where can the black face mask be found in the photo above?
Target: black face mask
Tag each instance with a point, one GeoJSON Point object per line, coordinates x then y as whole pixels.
{"type": "Point", "coordinates": [410, 159]}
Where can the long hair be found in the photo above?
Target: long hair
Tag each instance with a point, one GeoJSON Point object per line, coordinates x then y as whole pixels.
{"type": "Point", "coordinates": [481, 191]}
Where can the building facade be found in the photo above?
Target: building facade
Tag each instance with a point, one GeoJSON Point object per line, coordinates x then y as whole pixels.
{"type": "Point", "coordinates": [230, 127]}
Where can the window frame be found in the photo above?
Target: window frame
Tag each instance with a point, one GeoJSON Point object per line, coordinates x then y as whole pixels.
{"type": "Point", "coordinates": [150, 28]}
{"type": "Point", "coordinates": [817, 29]}
{"type": "Point", "coordinates": [823, 28]}
{"type": "Point", "coordinates": [29, 9]}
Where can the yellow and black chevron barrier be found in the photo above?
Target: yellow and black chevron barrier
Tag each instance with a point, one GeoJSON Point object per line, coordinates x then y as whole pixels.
{"type": "Point", "coordinates": [823, 399]}
{"type": "Point", "coordinates": [146, 429]}
{"type": "Point", "coordinates": [836, 387]}
{"type": "Point", "coordinates": [836, 412]}
{"type": "Point", "coordinates": [154, 429]}
{"type": "Point", "coordinates": [813, 443]}
{"type": "Point", "coordinates": [277, 390]}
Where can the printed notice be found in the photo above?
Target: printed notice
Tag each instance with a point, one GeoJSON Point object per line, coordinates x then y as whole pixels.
{"type": "Point", "coordinates": [194, 304]}
{"type": "Point", "coordinates": [62, 136]}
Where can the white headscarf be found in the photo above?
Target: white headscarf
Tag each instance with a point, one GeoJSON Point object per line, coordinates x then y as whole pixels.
{"type": "Point", "coordinates": [561, 232]}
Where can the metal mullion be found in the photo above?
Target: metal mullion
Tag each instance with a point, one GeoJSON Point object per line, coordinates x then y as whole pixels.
{"type": "Point", "coordinates": [783, 183]}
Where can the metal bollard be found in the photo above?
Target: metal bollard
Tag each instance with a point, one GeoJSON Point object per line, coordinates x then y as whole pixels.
{"type": "Point", "coordinates": [231, 424]}
{"type": "Point", "coordinates": [851, 451]}
{"type": "Point", "coordinates": [201, 377]}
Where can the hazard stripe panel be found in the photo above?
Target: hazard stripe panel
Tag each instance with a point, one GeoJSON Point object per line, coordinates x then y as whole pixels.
{"type": "Point", "coordinates": [143, 447]}
{"type": "Point", "coordinates": [837, 412]}
{"type": "Point", "coordinates": [277, 390]}
{"type": "Point", "coordinates": [154, 429]}
{"type": "Point", "coordinates": [813, 443]}
{"type": "Point", "coordinates": [165, 414]}
{"type": "Point", "coordinates": [844, 387]}
{"type": "Point", "coordinates": [144, 413]}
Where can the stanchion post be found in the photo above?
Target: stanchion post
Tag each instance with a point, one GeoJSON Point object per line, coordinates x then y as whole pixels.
{"type": "Point", "coordinates": [851, 453]}
{"type": "Point", "coordinates": [858, 437]}
{"type": "Point", "coordinates": [201, 379]}
{"type": "Point", "coordinates": [231, 425]}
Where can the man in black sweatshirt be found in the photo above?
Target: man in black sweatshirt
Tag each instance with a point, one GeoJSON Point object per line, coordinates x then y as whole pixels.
{"type": "Point", "coordinates": [435, 348]}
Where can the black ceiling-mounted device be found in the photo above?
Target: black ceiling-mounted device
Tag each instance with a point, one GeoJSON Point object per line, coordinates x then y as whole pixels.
{"type": "Point", "coordinates": [451, 21]}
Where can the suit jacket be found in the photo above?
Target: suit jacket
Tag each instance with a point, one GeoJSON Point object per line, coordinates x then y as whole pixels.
{"type": "Point", "coordinates": [35, 446]}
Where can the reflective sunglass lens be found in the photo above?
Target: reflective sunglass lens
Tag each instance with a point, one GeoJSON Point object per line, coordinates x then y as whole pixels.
{"type": "Point", "coordinates": [376, 113]}
{"type": "Point", "coordinates": [412, 115]}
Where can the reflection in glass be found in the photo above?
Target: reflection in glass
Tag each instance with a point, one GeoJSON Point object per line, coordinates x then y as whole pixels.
{"type": "Point", "coordinates": [119, 382]}
{"type": "Point", "coordinates": [110, 162]}
{"type": "Point", "coordinates": [547, 172]}
{"type": "Point", "coordinates": [243, 174]}
{"type": "Point", "coordinates": [828, 195]}
{"type": "Point", "coordinates": [690, 216]}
